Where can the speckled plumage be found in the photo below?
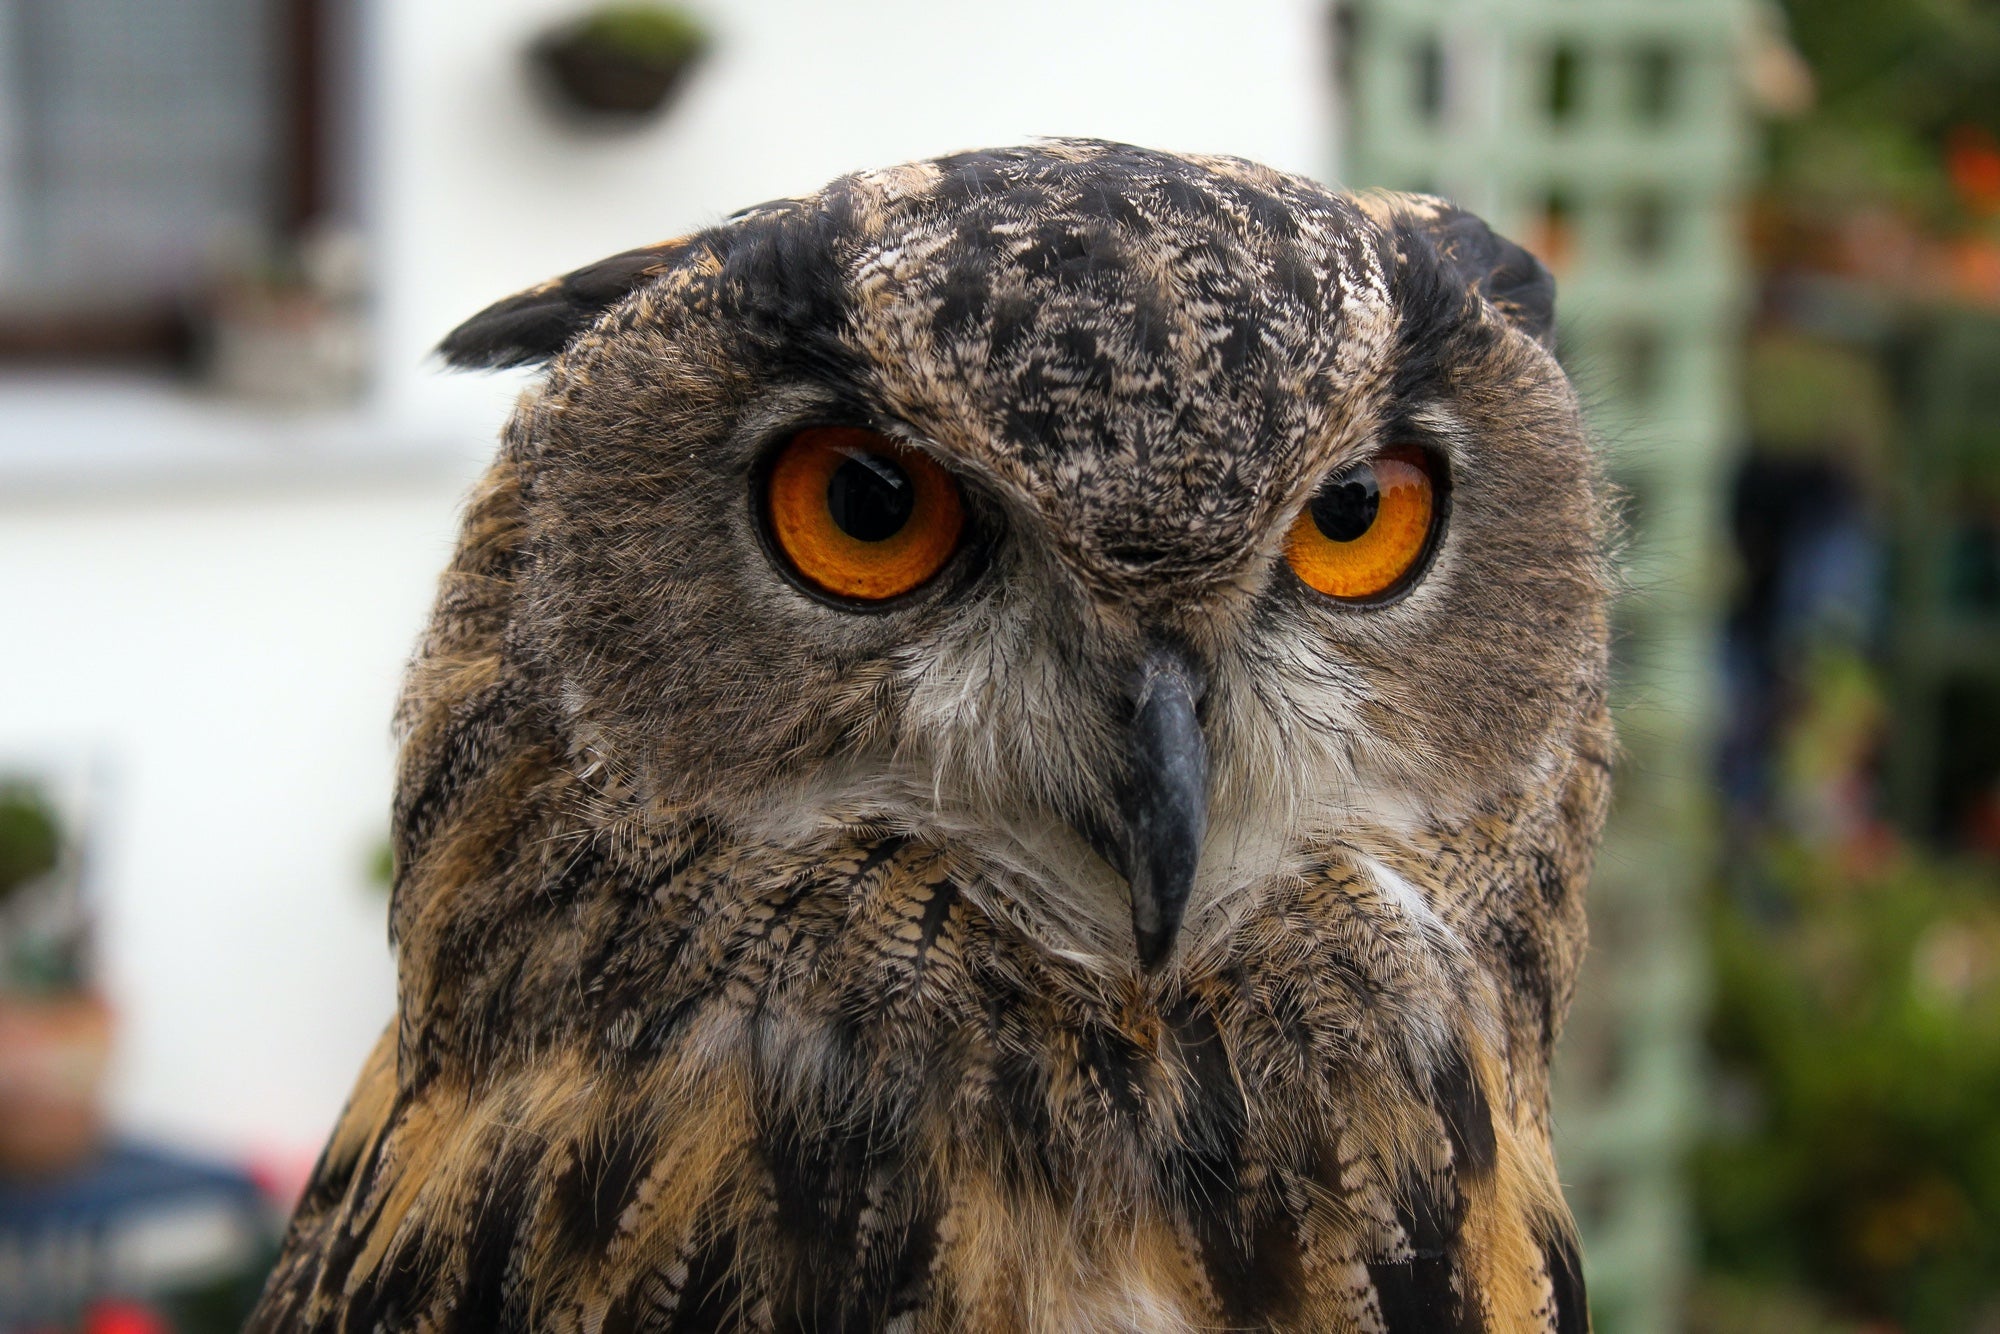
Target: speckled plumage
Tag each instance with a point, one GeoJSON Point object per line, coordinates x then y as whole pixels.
{"type": "Point", "coordinates": [752, 975]}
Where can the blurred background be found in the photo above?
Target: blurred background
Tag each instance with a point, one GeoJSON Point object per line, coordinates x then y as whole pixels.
{"type": "Point", "coordinates": [230, 231]}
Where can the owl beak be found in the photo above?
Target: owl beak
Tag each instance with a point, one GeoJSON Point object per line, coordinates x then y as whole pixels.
{"type": "Point", "coordinates": [1163, 807]}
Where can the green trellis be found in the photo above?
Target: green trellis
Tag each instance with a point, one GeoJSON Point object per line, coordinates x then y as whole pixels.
{"type": "Point", "coordinates": [1611, 136]}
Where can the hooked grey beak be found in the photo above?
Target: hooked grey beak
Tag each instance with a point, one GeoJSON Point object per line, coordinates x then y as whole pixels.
{"type": "Point", "coordinates": [1163, 806]}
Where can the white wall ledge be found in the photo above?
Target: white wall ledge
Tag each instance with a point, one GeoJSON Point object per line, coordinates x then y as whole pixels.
{"type": "Point", "coordinates": [71, 436]}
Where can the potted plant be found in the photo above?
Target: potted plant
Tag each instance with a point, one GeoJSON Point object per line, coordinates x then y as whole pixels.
{"type": "Point", "coordinates": [55, 1031]}
{"type": "Point", "coordinates": [620, 61]}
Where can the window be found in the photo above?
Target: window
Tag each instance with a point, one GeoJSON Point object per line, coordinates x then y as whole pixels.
{"type": "Point", "coordinates": [151, 152]}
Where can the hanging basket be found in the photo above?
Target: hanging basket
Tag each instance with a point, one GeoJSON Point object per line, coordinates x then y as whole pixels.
{"type": "Point", "coordinates": [619, 63]}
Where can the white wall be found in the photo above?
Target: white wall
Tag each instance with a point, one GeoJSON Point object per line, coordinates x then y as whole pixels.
{"type": "Point", "coordinates": [481, 192]}
{"type": "Point", "coordinates": [226, 664]}
{"type": "Point", "coordinates": [231, 655]}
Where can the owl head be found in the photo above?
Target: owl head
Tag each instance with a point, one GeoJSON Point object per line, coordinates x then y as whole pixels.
{"type": "Point", "coordinates": [1132, 527]}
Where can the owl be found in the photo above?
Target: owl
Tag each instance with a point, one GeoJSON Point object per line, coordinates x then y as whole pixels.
{"type": "Point", "coordinates": [1010, 745]}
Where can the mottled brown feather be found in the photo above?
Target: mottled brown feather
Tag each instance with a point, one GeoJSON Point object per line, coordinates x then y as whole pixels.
{"type": "Point", "coordinates": [750, 975]}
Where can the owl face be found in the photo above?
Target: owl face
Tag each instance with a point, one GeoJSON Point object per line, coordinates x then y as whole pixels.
{"type": "Point", "coordinates": [1136, 528]}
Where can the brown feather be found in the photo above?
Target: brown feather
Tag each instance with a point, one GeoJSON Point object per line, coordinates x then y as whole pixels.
{"type": "Point", "coordinates": [747, 981]}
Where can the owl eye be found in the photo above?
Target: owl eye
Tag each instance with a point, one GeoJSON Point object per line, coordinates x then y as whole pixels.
{"type": "Point", "coordinates": [858, 516]}
{"type": "Point", "coordinates": [1369, 528]}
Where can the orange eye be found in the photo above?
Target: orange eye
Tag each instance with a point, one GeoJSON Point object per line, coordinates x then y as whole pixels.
{"type": "Point", "coordinates": [1367, 528]}
{"type": "Point", "coordinates": [858, 516]}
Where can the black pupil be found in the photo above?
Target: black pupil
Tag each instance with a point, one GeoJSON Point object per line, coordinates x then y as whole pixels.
{"type": "Point", "coordinates": [1345, 507]}
{"type": "Point", "coordinates": [870, 498]}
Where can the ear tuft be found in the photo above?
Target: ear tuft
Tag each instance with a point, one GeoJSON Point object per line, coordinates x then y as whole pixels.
{"type": "Point", "coordinates": [530, 327]}
{"type": "Point", "coordinates": [1506, 274]}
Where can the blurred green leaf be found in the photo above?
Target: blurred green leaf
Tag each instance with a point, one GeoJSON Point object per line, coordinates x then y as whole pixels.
{"type": "Point", "coordinates": [659, 34]}
{"type": "Point", "coordinates": [1894, 78]}
{"type": "Point", "coordinates": [1857, 1011]}
{"type": "Point", "coordinates": [30, 837]}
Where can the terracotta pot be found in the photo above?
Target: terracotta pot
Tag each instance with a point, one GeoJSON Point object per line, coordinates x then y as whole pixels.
{"type": "Point", "coordinates": [53, 1054]}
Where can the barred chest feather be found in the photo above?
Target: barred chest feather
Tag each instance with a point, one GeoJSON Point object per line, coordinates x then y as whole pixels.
{"type": "Point", "coordinates": [684, 1084]}
{"type": "Point", "coordinates": [1120, 431]}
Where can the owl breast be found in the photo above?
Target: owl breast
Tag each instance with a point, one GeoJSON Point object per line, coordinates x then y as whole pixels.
{"type": "Point", "coordinates": [1009, 746]}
